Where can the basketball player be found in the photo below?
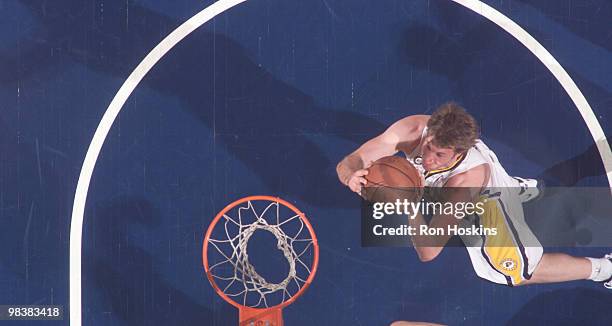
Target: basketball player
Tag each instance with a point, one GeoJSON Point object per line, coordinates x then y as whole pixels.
{"type": "Point", "coordinates": [446, 150]}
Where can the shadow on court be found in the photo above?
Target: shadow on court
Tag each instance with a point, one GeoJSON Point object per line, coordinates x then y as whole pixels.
{"type": "Point", "coordinates": [568, 173]}
{"type": "Point", "coordinates": [262, 121]}
{"type": "Point", "coordinates": [277, 132]}
{"type": "Point", "coordinates": [503, 85]}
{"type": "Point", "coordinates": [125, 275]}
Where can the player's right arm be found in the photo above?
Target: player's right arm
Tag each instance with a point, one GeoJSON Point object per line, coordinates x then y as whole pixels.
{"type": "Point", "coordinates": [402, 134]}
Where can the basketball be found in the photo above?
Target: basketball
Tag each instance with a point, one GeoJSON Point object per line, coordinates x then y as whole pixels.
{"type": "Point", "coordinates": [391, 178]}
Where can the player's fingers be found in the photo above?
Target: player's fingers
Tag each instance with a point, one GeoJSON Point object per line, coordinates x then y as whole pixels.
{"type": "Point", "coordinates": [361, 173]}
{"type": "Point", "coordinates": [356, 183]}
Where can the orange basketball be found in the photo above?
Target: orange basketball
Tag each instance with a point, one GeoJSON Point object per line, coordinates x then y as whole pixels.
{"type": "Point", "coordinates": [391, 178]}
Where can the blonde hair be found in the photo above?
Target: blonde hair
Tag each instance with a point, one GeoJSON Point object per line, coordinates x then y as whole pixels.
{"type": "Point", "coordinates": [452, 127]}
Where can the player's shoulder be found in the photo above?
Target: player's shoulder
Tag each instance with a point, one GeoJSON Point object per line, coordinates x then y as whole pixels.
{"type": "Point", "coordinates": [414, 120]}
{"type": "Point", "coordinates": [410, 125]}
{"type": "Point", "coordinates": [473, 177]}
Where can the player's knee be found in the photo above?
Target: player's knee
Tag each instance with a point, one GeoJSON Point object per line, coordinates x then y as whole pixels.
{"type": "Point", "coordinates": [427, 254]}
{"type": "Point", "coordinates": [425, 259]}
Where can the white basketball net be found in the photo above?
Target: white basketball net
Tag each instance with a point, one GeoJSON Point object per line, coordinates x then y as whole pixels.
{"type": "Point", "coordinates": [243, 272]}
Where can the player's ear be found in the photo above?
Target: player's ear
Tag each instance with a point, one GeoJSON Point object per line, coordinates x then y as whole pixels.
{"type": "Point", "coordinates": [427, 140]}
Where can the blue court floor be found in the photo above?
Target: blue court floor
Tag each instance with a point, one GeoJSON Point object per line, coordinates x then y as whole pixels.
{"type": "Point", "coordinates": [266, 99]}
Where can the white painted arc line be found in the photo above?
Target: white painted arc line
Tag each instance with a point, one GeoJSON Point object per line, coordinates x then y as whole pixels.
{"type": "Point", "coordinates": [556, 69]}
{"type": "Point", "coordinates": [76, 225]}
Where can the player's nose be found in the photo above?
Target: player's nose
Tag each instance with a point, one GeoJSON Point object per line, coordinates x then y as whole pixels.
{"type": "Point", "coordinates": [428, 160]}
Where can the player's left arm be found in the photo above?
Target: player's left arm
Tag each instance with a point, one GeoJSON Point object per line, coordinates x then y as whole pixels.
{"type": "Point", "coordinates": [464, 187]}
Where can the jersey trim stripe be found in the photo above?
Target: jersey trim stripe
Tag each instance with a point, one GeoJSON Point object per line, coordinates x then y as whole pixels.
{"type": "Point", "coordinates": [452, 166]}
{"type": "Point", "coordinates": [486, 256]}
{"type": "Point", "coordinates": [519, 244]}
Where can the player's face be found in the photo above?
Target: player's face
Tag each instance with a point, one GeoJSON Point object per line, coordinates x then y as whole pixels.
{"type": "Point", "coordinates": [435, 158]}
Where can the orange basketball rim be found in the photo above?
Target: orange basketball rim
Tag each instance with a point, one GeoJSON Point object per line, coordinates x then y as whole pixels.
{"type": "Point", "coordinates": [260, 314]}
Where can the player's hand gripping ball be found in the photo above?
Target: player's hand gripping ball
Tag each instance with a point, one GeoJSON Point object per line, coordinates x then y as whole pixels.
{"type": "Point", "coordinates": [391, 178]}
